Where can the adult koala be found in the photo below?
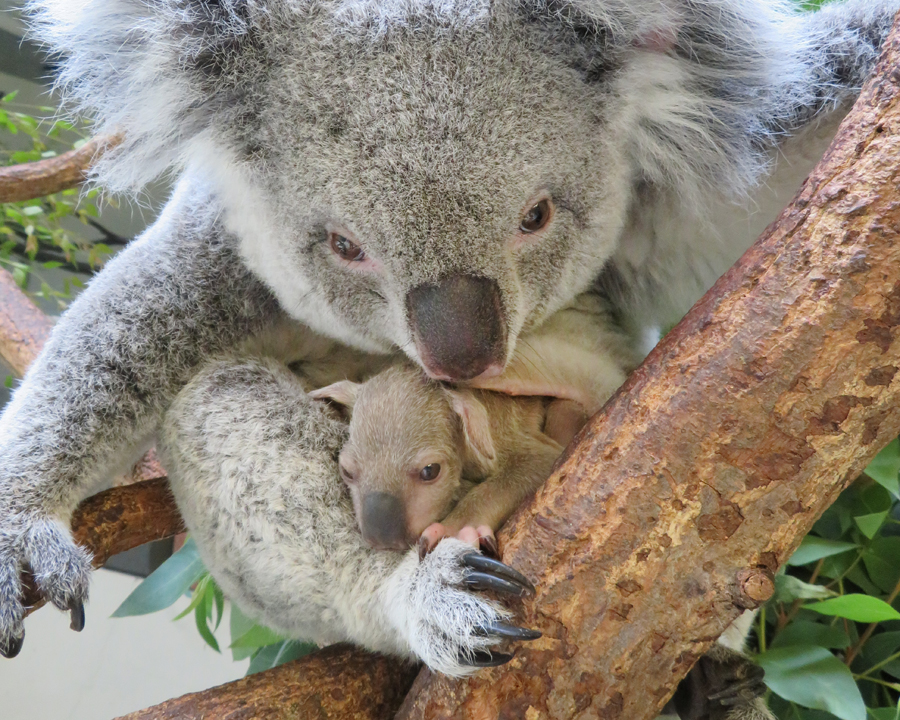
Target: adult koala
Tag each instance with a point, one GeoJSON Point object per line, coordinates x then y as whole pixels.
{"type": "Point", "coordinates": [438, 177]}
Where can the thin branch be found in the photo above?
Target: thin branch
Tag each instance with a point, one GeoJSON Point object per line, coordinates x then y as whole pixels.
{"type": "Point", "coordinates": [45, 177]}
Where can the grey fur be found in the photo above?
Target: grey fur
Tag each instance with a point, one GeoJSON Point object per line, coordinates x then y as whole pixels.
{"type": "Point", "coordinates": [667, 132]}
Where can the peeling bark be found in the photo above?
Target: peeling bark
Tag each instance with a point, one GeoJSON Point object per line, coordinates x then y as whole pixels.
{"type": "Point", "coordinates": [337, 682]}
{"type": "Point", "coordinates": [45, 177]}
{"type": "Point", "coordinates": [703, 473]}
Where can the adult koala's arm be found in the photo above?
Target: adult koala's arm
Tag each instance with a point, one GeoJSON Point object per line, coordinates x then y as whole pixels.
{"type": "Point", "coordinates": [97, 391]}
{"type": "Point", "coordinates": [252, 464]}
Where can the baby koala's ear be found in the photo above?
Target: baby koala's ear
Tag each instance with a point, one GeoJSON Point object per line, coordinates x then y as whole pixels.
{"type": "Point", "coordinates": [343, 393]}
{"type": "Point", "coordinates": [476, 424]}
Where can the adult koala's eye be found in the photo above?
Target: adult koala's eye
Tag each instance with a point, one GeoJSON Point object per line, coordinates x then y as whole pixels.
{"type": "Point", "coordinates": [537, 217]}
{"type": "Point", "coordinates": [345, 249]}
{"type": "Point", "coordinates": [430, 472]}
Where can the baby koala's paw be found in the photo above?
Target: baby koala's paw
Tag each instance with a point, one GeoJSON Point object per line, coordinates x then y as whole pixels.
{"type": "Point", "coordinates": [480, 537]}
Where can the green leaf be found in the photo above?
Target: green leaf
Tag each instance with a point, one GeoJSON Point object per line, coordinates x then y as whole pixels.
{"type": "Point", "coordinates": [859, 608]}
{"type": "Point", "coordinates": [815, 548]}
{"type": "Point", "coordinates": [804, 632]}
{"type": "Point", "coordinates": [9, 382]}
{"type": "Point", "coordinates": [885, 713]}
{"type": "Point", "coordinates": [9, 97]}
{"type": "Point", "coordinates": [882, 561]}
{"type": "Point", "coordinates": [275, 655]}
{"type": "Point", "coordinates": [200, 616]}
{"type": "Point", "coordinates": [885, 468]}
{"type": "Point", "coordinates": [197, 597]}
{"type": "Point", "coordinates": [788, 588]}
{"type": "Point", "coordinates": [32, 210]}
{"type": "Point", "coordinates": [240, 624]}
{"type": "Point", "coordinates": [870, 524]}
{"type": "Point", "coordinates": [811, 676]}
{"type": "Point", "coordinates": [256, 637]}
{"type": "Point", "coordinates": [166, 584]}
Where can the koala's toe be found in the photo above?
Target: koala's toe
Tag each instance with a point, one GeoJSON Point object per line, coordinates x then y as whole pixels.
{"type": "Point", "coordinates": [12, 632]}
{"type": "Point", "coordinates": [61, 568]}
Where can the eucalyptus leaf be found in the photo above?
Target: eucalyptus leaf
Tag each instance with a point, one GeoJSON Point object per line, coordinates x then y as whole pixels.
{"type": "Point", "coordinates": [885, 468]}
{"type": "Point", "coordinates": [856, 607]}
{"type": "Point", "coordinates": [815, 548]}
{"type": "Point", "coordinates": [240, 624]}
{"type": "Point", "coordinates": [804, 632]}
{"type": "Point", "coordinates": [811, 676]}
{"type": "Point", "coordinates": [256, 637]}
{"type": "Point", "coordinates": [870, 524]}
{"type": "Point", "coordinates": [788, 588]}
{"type": "Point", "coordinates": [279, 654]}
{"type": "Point", "coordinates": [166, 584]}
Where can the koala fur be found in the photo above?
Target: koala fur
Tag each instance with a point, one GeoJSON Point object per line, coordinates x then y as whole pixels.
{"type": "Point", "coordinates": [665, 133]}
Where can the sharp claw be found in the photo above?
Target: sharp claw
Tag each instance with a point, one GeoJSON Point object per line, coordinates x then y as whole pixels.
{"type": "Point", "coordinates": [504, 630]}
{"type": "Point", "coordinates": [753, 684]}
{"type": "Point", "coordinates": [489, 566]}
{"type": "Point", "coordinates": [489, 546]}
{"type": "Point", "coordinates": [482, 658]}
{"type": "Point", "coordinates": [12, 648]}
{"type": "Point", "coordinates": [486, 581]}
{"type": "Point", "coordinates": [422, 547]}
{"type": "Point", "coordinates": [76, 613]}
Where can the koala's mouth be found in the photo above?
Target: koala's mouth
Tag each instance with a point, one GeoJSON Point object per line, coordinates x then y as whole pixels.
{"type": "Point", "coordinates": [459, 327]}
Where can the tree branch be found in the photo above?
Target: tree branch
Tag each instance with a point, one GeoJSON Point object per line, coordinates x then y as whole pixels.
{"type": "Point", "coordinates": [337, 682]}
{"type": "Point", "coordinates": [703, 473]}
{"type": "Point", "coordinates": [45, 177]}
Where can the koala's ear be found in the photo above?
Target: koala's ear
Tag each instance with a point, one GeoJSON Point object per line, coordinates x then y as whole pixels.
{"type": "Point", "coordinates": [343, 393]}
{"type": "Point", "coordinates": [476, 425]}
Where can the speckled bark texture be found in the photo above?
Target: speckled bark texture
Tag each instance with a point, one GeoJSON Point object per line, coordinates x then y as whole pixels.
{"type": "Point", "coordinates": [703, 473]}
{"type": "Point", "coordinates": [45, 177]}
{"type": "Point", "coordinates": [337, 682]}
{"type": "Point", "coordinates": [23, 327]}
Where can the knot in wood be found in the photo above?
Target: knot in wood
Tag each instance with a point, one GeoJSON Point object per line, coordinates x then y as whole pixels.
{"type": "Point", "coordinates": [754, 587]}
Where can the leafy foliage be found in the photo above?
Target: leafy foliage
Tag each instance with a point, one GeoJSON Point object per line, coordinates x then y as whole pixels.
{"type": "Point", "coordinates": [830, 637]}
{"type": "Point", "coordinates": [184, 573]}
{"type": "Point", "coordinates": [50, 232]}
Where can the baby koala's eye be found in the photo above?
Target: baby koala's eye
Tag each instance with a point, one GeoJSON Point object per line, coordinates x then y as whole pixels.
{"type": "Point", "coordinates": [346, 475]}
{"type": "Point", "coordinates": [537, 216]}
{"type": "Point", "coordinates": [345, 249]}
{"type": "Point", "coordinates": [430, 472]}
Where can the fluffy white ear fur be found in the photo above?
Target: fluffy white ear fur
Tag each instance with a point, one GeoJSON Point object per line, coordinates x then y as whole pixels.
{"type": "Point", "coordinates": [476, 425]}
{"type": "Point", "coordinates": [343, 392]}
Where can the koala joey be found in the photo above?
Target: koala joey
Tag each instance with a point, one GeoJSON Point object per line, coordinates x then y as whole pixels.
{"type": "Point", "coordinates": [424, 461]}
{"type": "Point", "coordinates": [434, 178]}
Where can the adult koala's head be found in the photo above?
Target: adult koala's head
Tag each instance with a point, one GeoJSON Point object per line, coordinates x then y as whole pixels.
{"type": "Point", "coordinates": [439, 176]}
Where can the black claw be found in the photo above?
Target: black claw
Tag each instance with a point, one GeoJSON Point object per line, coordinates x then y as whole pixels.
{"type": "Point", "coordinates": [12, 648]}
{"type": "Point", "coordinates": [504, 630]}
{"type": "Point", "coordinates": [482, 658]}
{"type": "Point", "coordinates": [76, 613]}
{"type": "Point", "coordinates": [486, 581]}
{"type": "Point", "coordinates": [490, 567]}
{"type": "Point", "coordinates": [753, 685]}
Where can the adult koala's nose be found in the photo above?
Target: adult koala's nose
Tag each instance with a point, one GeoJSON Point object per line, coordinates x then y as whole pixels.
{"type": "Point", "coordinates": [383, 522]}
{"type": "Point", "coordinates": [459, 327]}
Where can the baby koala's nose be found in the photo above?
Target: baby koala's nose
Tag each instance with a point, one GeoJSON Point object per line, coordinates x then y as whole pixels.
{"type": "Point", "coordinates": [384, 522]}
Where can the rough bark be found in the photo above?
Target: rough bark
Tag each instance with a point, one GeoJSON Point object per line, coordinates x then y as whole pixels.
{"type": "Point", "coordinates": [704, 472]}
{"type": "Point", "coordinates": [23, 327]}
{"type": "Point", "coordinates": [337, 682]}
{"type": "Point", "coordinates": [45, 177]}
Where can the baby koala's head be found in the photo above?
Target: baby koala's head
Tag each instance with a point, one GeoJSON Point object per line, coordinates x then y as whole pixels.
{"type": "Point", "coordinates": [411, 440]}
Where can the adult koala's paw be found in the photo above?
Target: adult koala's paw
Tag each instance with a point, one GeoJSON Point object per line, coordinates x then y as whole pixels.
{"type": "Point", "coordinates": [61, 569]}
{"type": "Point", "coordinates": [451, 628]}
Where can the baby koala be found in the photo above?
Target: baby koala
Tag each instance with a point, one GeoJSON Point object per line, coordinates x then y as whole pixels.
{"type": "Point", "coordinates": [425, 461]}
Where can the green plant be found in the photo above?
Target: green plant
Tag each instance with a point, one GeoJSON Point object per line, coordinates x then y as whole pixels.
{"type": "Point", "coordinates": [829, 639]}
{"type": "Point", "coordinates": [184, 573]}
{"type": "Point", "coordinates": [53, 231]}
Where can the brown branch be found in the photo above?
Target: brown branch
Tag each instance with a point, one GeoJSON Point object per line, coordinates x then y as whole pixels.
{"type": "Point", "coordinates": [23, 327]}
{"type": "Point", "coordinates": [704, 472]}
{"type": "Point", "coordinates": [45, 177]}
{"type": "Point", "coordinates": [337, 682]}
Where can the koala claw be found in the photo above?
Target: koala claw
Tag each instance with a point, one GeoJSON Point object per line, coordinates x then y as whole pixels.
{"type": "Point", "coordinates": [485, 569]}
{"type": "Point", "coordinates": [76, 613]}
{"type": "Point", "coordinates": [484, 658]}
{"type": "Point", "coordinates": [507, 631]}
{"type": "Point", "coordinates": [12, 647]}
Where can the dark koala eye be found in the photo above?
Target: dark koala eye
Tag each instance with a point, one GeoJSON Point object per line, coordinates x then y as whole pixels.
{"type": "Point", "coordinates": [430, 472]}
{"type": "Point", "coordinates": [345, 249]}
{"type": "Point", "coordinates": [537, 217]}
{"type": "Point", "coordinates": [346, 475]}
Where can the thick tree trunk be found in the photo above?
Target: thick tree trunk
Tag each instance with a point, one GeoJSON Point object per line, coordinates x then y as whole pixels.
{"type": "Point", "coordinates": [704, 472]}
